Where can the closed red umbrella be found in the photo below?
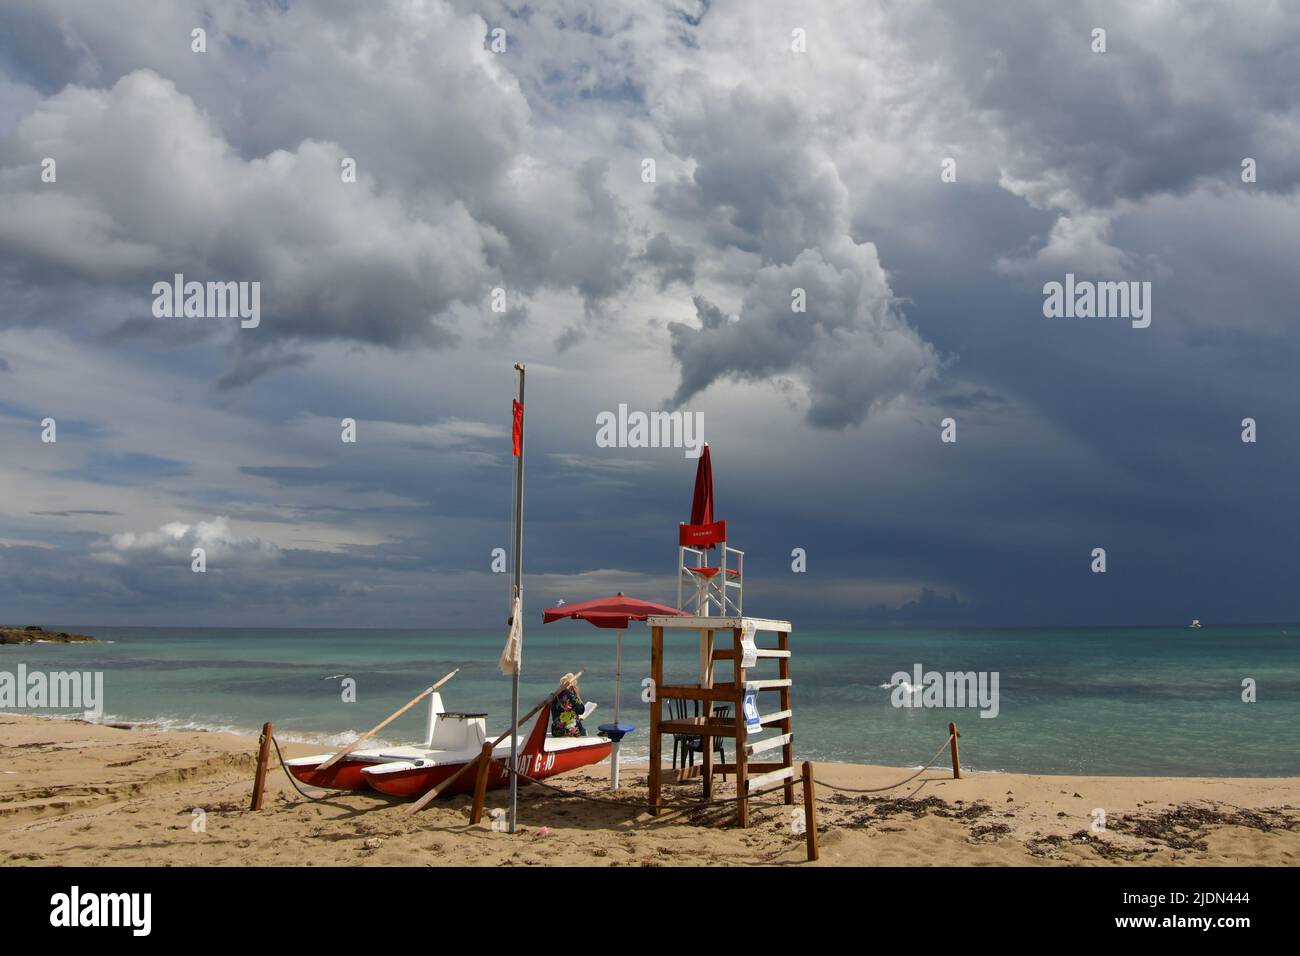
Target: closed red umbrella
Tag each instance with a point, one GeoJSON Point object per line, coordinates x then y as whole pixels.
{"type": "Point", "coordinates": [702, 502]}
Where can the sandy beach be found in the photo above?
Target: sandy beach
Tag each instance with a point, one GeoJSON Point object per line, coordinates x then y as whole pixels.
{"type": "Point", "coordinates": [73, 793]}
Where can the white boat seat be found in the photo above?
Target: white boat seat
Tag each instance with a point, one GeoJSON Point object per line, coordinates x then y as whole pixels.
{"type": "Point", "coordinates": [458, 732]}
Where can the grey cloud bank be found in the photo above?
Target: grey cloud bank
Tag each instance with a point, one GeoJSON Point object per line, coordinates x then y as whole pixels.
{"type": "Point", "coordinates": [522, 171]}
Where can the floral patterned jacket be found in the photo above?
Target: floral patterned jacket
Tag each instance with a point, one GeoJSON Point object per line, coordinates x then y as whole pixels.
{"type": "Point", "coordinates": [566, 711]}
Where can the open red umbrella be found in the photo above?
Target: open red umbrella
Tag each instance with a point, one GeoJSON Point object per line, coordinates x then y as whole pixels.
{"type": "Point", "coordinates": [613, 612]}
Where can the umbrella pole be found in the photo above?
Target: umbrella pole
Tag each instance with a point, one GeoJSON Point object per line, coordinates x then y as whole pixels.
{"type": "Point", "coordinates": [618, 670]}
{"type": "Point", "coordinates": [618, 688]}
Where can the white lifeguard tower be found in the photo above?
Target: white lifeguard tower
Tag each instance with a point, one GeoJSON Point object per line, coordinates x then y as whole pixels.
{"type": "Point", "coordinates": [710, 597]}
{"type": "Point", "coordinates": [716, 587]}
{"type": "Point", "coordinates": [745, 723]}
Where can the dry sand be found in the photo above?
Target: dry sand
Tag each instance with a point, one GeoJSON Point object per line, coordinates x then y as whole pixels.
{"type": "Point", "coordinates": [82, 794]}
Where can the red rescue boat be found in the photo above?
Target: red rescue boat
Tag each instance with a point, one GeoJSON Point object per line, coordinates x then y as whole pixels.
{"type": "Point", "coordinates": [539, 757]}
{"type": "Point", "coordinates": [454, 740]}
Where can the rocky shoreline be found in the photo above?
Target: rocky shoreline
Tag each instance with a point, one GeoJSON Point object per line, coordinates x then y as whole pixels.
{"type": "Point", "coordinates": [33, 633]}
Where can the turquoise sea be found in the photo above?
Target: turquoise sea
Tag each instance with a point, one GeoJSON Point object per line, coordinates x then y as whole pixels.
{"type": "Point", "coordinates": [1088, 701]}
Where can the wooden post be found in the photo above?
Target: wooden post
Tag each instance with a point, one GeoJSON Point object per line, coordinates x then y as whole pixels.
{"type": "Point", "coordinates": [263, 758]}
{"type": "Point", "coordinates": [706, 648]}
{"type": "Point", "coordinates": [810, 811]}
{"type": "Point", "coordinates": [741, 745]}
{"type": "Point", "coordinates": [956, 760]}
{"type": "Point", "coordinates": [656, 709]}
{"type": "Point", "coordinates": [480, 783]}
{"type": "Point", "coordinates": [706, 740]}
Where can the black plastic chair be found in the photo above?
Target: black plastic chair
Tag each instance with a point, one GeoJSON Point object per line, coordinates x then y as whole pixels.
{"type": "Point", "coordinates": [677, 711]}
{"type": "Point", "coordinates": [690, 744]}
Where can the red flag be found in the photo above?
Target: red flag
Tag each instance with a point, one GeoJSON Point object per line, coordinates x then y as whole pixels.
{"type": "Point", "coordinates": [518, 428]}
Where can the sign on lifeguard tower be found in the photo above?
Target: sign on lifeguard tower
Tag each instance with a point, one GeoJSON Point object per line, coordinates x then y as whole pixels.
{"type": "Point", "coordinates": [753, 719]}
{"type": "Point", "coordinates": [748, 649]}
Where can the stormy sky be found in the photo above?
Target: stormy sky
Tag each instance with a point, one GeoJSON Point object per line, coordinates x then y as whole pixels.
{"type": "Point", "coordinates": [504, 146]}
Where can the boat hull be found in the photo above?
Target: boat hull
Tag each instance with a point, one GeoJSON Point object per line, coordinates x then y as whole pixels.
{"type": "Point", "coordinates": [414, 781]}
{"type": "Point", "coordinates": [344, 775]}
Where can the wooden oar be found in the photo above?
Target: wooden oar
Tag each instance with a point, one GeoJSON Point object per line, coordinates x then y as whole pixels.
{"type": "Point", "coordinates": [432, 794]}
{"type": "Point", "coordinates": [384, 723]}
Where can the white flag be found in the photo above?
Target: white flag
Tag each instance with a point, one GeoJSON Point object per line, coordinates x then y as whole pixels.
{"type": "Point", "coordinates": [509, 662]}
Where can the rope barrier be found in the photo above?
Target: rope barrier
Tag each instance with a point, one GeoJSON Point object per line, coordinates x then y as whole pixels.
{"type": "Point", "coordinates": [672, 806]}
{"type": "Point", "coordinates": [292, 779]}
{"type": "Point", "coordinates": [895, 786]}
{"type": "Point", "coordinates": [806, 779]}
{"type": "Point", "coordinates": [678, 806]}
{"type": "Point", "coordinates": [668, 807]}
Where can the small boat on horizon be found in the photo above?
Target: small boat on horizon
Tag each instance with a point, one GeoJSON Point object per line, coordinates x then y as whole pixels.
{"type": "Point", "coordinates": [1196, 623]}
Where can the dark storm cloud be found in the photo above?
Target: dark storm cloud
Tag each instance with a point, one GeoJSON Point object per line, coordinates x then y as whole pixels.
{"type": "Point", "coordinates": [563, 233]}
{"type": "Point", "coordinates": [764, 184]}
{"type": "Point", "coordinates": [126, 469]}
{"type": "Point", "coordinates": [258, 365]}
{"type": "Point", "coordinates": [346, 264]}
{"type": "Point", "coordinates": [156, 331]}
{"type": "Point", "coordinates": [291, 476]}
{"type": "Point", "coordinates": [165, 170]}
{"type": "Point", "coordinates": [853, 348]}
{"type": "Point", "coordinates": [760, 181]}
{"type": "Point", "coordinates": [671, 262]}
{"type": "Point", "coordinates": [35, 50]}
{"type": "Point", "coordinates": [1182, 92]}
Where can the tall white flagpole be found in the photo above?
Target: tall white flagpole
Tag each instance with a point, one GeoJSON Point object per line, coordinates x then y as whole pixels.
{"type": "Point", "coordinates": [516, 605]}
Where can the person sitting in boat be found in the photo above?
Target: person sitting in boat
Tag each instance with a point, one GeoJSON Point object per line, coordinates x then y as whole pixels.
{"type": "Point", "coordinates": [567, 708]}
